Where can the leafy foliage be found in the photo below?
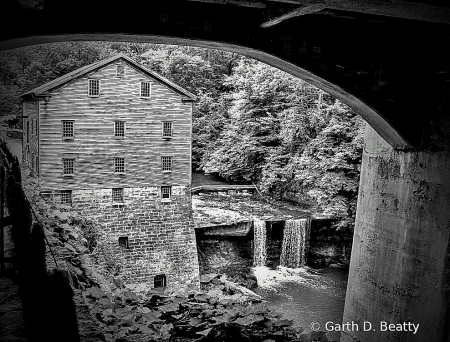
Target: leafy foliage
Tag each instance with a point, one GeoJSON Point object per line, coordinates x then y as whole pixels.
{"type": "Point", "coordinates": [251, 122]}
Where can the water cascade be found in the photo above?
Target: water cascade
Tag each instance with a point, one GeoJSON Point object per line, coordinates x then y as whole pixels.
{"type": "Point", "coordinates": [295, 239]}
{"type": "Point", "coordinates": [259, 241]}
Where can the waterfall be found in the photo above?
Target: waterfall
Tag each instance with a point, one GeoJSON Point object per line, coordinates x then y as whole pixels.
{"type": "Point", "coordinates": [259, 243]}
{"type": "Point", "coordinates": [295, 240]}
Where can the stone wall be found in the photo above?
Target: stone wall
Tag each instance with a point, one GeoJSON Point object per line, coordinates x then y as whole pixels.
{"type": "Point", "coordinates": [161, 237]}
{"type": "Point", "coordinates": [230, 255]}
{"type": "Point", "coordinates": [329, 244]}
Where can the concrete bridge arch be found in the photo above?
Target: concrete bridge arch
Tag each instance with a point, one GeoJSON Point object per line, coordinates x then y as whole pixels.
{"type": "Point", "coordinates": [371, 116]}
{"type": "Point", "coordinates": [389, 60]}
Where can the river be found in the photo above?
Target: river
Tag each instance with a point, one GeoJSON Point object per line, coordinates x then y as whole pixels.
{"type": "Point", "coordinates": [305, 295]}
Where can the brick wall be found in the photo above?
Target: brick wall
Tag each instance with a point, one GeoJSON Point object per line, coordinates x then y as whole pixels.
{"type": "Point", "coordinates": [161, 234]}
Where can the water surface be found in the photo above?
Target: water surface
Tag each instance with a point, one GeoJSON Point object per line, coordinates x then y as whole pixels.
{"type": "Point", "coordinates": [305, 295]}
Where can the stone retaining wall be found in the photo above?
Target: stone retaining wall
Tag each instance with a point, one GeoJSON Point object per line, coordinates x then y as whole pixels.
{"type": "Point", "coordinates": [161, 237]}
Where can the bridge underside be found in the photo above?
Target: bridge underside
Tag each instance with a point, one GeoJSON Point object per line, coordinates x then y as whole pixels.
{"type": "Point", "coordinates": [389, 60]}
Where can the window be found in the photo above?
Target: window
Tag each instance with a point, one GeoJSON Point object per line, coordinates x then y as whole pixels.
{"type": "Point", "coordinates": [166, 192]}
{"type": "Point", "coordinates": [32, 127]}
{"type": "Point", "coordinates": [119, 165]}
{"type": "Point", "coordinates": [36, 128]}
{"type": "Point", "coordinates": [120, 70]}
{"type": "Point", "coordinates": [167, 129]}
{"type": "Point", "coordinates": [66, 197]}
{"type": "Point", "coordinates": [159, 280]}
{"type": "Point", "coordinates": [166, 163]}
{"type": "Point", "coordinates": [119, 129]}
{"type": "Point", "coordinates": [145, 89]}
{"type": "Point", "coordinates": [67, 129]}
{"type": "Point", "coordinates": [123, 242]}
{"type": "Point", "coordinates": [68, 166]}
{"type": "Point", "coordinates": [37, 165]}
{"type": "Point", "coordinates": [28, 131]}
{"type": "Point", "coordinates": [117, 195]}
{"type": "Point", "coordinates": [32, 161]}
{"type": "Point", "coordinates": [94, 88]}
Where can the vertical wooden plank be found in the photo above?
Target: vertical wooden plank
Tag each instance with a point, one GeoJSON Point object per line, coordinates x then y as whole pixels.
{"type": "Point", "coordinates": [2, 203]}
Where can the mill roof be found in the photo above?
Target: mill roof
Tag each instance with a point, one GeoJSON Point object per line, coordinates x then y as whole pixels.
{"type": "Point", "coordinates": [43, 89]}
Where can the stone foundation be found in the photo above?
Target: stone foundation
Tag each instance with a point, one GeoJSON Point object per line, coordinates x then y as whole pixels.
{"type": "Point", "coordinates": [161, 237]}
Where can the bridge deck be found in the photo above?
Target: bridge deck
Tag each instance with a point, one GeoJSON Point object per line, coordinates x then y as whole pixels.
{"type": "Point", "coordinates": [222, 187]}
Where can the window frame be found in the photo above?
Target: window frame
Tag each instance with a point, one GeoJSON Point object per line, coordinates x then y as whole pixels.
{"type": "Point", "coordinates": [117, 69]}
{"type": "Point", "coordinates": [68, 137]}
{"type": "Point", "coordinates": [162, 192]}
{"type": "Point", "coordinates": [67, 159]}
{"type": "Point", "coordinates": [63, 194]}
{"type": "Point", "coordinates": [113, 199]}
{"type": "Point", "coordinates": [149, 90]}
{"type": "Point", "coordinates": [160, 279]}
{"type": "Point", "coordinates": [115, 129]}
{"type": "Point", "coordinates": [89, 87]}
{"type": "Point", "coordinates": [126, 240]}
{"type": "Point", "coordinates": [116, 165]}
{"type": "Point", "coordinates": [164, 161]}
{"type": "Point", "coordinates": [171, 130]}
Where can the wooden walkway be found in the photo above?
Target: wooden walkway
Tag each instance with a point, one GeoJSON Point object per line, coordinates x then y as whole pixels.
{"type": "Point", "coordinates": [220, 187]}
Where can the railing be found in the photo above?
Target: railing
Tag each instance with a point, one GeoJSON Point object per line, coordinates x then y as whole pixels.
{"type": "Point", "coordinates": [222, 187]}
{"type": "Point", "coordinates": [47, 297]}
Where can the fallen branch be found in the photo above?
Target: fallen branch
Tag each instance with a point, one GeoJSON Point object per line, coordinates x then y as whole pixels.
{"type": "Point", "coordinates": [238, 288]}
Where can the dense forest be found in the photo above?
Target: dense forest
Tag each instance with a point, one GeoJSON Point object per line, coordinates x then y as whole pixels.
{"type": "Point", "coordinates": [252, 123]}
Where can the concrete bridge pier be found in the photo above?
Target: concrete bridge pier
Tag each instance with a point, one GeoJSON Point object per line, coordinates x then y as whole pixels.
{"type": "Point", "coordinates": [400, 266]}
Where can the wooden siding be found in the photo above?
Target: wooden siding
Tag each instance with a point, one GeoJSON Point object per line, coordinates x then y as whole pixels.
{"type": "Point", "coordinates": [30, 142]}
{"type": "Point", "coordinates": [94, 145]}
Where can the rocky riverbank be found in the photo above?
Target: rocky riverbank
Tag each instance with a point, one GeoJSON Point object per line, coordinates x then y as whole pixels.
{"type": "Point", "coordinates": [221, 311]}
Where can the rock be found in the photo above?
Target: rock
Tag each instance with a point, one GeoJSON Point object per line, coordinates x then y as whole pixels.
{"type": "Point", "coordinates": [125, 323]}
{"type": "Point", "coordinates": [194, 321]}
{"type": "Point", "coordinates": [81, 249]}
{"type": "Point", "coordinates": [122, 312]}
{"type": "Point", "coordinates": [105, 302]}
{"type": "Point", "coordinates": [152, 316]}
{"type": "Point", "coordinates": [181, 300]}
{"type": "Point", "coordinates": [166, 330]}
{"type": "Point", "coordinates": [283, 323]}
{"type": "Point", "coordinates": [207, 313]}
{"type": "Point", "coordinates": [70, 247]}
{"type": "Point", "coordinates": [316, 336]}
{"type": "Point", "coordinates": [201, 298]}
{"type": "Point", "coordinates": [225, 318]}
{"type": "Point", "coordinates": [172, 307]}
{"type": "Point", "coordinates": [206, 278]}
{"type": "Point", "coordinates": [143, 309]}
{"type": "Point", "coordinates": [226, 332]}
{"type": "Point", "coordinates": [249, 320]}
{"type": "Point", "coordinates": [95, 292]}
{"type": "Point", "coordinates": [129, 296]}
{"type": "Point", "coordinates": [214, 293]}
{"type": "Point", "coordinates": [204, 332]}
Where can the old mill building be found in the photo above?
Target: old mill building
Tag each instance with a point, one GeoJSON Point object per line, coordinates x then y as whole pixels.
{"type": "Point", "coordinates": [112, 140]}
